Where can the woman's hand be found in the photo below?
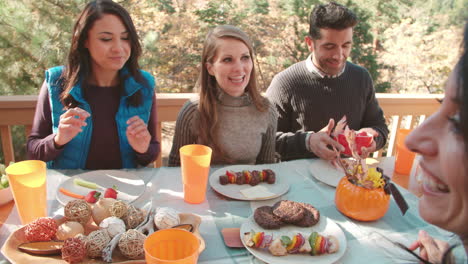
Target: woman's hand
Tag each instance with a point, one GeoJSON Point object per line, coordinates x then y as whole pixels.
{"type": "Point", "coordinates": [430, 249]}
{"type": "Point", "coordinates": [138, 134]}
{"type": "Point", "coordinates": [71, 123]}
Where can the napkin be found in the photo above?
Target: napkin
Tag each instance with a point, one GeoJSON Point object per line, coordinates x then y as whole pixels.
{"type": "Point", "coordinates": [258, 191]}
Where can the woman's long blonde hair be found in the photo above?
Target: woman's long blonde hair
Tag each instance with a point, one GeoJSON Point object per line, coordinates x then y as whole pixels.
{"type": "Point", "coordinates": [208, 91]}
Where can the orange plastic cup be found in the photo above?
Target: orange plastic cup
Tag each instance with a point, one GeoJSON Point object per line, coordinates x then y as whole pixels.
{"type": "Point", "coordinates": [28, 184]}
{"type": "Point", "coordinates": [404, 158]}
{"type": "Point", "coordinates": [195, 164]}
{"type": "Point", "coordinates": [174, 246]}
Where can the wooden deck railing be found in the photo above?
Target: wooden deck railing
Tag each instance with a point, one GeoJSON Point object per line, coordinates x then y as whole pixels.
{"type": "Point", "coordinates": [401, 111]}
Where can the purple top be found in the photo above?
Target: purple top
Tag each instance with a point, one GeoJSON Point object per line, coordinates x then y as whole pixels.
{"type": "Point", "coordinates": [104, 151]}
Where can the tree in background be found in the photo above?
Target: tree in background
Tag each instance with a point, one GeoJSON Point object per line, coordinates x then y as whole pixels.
{"type": "Point", "coordinates": [33, 37]}
{"type": "Point", "coordinates": [416, 63]}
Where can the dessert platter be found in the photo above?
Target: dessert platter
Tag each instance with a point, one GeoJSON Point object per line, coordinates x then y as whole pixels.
{"type": "Point", "coordinates": [248, 182]}
{"type": "Point", "coordinates": [107, 230]}
{"type": "Point", "coordinates": [292, 232]}
{"type": "Point", "coordinates": [129, 185]}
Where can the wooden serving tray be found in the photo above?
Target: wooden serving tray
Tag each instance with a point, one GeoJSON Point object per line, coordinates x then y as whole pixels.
{"type": "Point", "coordinates": [13, 254]}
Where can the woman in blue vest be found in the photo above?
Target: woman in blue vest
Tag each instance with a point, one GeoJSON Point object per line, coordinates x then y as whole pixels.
{"type": "Point", "coordinates": [99, 110]}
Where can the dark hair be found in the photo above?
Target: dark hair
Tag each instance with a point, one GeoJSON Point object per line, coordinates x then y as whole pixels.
{"type": "Point", "coordinates": [207, 87]}
{"type": "Point", "coordinates": [462, 87]}
{"type": "Point", "coordinates": [331, 15]}
{"type": "Point", "coordinates": [78, 67]}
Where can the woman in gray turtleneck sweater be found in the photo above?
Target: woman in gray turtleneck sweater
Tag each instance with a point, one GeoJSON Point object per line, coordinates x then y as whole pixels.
{"type": "Point", "coordinates": [229, 115]}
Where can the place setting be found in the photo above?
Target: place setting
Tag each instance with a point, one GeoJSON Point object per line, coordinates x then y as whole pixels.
{"type": "Point", "coordinates": [249, 182]}
{"type": "Point", "coordinates": [292, 232]}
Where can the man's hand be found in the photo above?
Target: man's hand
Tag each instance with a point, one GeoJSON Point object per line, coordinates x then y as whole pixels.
{"type": "Point", "coordinates": [319, 142]}
{"type": "Point", "coordinates": [138, 134]}
{"type": "Point", "coordinates": [430, 249]}
{"type": "Point", "coordinates": [70, 124]}
{"type": "Point", "coordinates": [366, 151]}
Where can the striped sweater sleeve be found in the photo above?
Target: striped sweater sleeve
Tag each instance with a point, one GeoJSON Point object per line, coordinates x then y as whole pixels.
{"type": "Point", "coordinates": [267, 152]}
{"type": "Point", "coordinates": [184, 131]}
{"type": "Point", "coordinates": [290, 136]}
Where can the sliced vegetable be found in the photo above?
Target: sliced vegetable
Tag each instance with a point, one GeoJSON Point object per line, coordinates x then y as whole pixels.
{"type": "Point", "coordinates": [71, 194]}
{"type": "Point", "coordinates": [285, 240]}
{"type": "Point", "coordinates": [86, 184]}
{"type": "Point", "coordinates": [293, 243]}
{"type": "Point", "coordinates": [323, 245]}
{"type": "Point", "coordinates": [264, 175]}
{"type": "Point", "coordinates": [266, 241]}
{"type": "Point", "coordinates": [312, 239]}
{"type": "Point", "coordinates": [231, 176]}
{"type": "Point", "coordinates": [298, 241]}
{"type": "Point", "coordinates": [258, 238]}
{"type": "Point", "coordinates": [316, 248]}
{"type": "Point", "coordinates": [248, 177]}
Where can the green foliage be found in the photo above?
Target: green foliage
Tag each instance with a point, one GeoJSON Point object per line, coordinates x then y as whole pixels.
{"type": "Point", "coordinates": [33, 36]}
{"type": "Point", "coordinates": [219, 12]}
{"type": "Point", "coordinates": [363, 52]}
{"type": "Point", "coordinates": [260, 7]}
{"type": "Point", "coordinates": [166, 6]}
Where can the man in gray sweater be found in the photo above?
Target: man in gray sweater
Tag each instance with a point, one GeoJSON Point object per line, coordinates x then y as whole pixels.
{"type": "Point", "coordinates": [311, 95]}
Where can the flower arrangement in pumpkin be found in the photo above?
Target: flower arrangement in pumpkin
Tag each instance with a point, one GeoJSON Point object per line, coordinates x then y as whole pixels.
{"type": "Point", "coordinates": [355, 168]}
{"type": "Point", "coordinates": [361, 194]}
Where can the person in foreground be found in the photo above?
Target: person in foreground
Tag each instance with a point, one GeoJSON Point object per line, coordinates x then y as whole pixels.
{"type": "Point", "coordinates": [313, 94]}
{"type": "Point", "coordinates": [99, 110]}
{"type": "Point", "coordinates": [442, 142]}
{"type": "Point", "coordinates": [230, 115]}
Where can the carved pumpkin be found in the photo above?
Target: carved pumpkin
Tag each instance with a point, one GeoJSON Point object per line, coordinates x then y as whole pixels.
{"type": "Point", "coordinates": [360, 203]}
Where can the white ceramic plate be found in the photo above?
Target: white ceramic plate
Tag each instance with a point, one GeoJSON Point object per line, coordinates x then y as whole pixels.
{"type": "Point", "coordinates": [279, 188]}
{"type": "Point", "coordinates": [324, 227]}
{"type": "Point", "coordinates": [325, 172]}
{"type": "Point", "coordinates": [129, 185]}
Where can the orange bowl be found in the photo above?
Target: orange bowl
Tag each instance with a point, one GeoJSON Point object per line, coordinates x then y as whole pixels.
{"type": "Point", "coordinates": [360, 203]}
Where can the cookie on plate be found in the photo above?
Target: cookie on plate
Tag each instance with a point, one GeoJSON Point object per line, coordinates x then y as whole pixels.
{"type": "Point", "coordinates": [289, 211]}
{"type": "Point", "coordinates": [311, 216]}
{"type": "Point", "coordinates": [265, 218]}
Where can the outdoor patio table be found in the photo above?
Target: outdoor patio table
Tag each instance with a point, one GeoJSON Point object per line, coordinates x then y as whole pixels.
{"type": "Point", "coordinates": [217, 212]}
